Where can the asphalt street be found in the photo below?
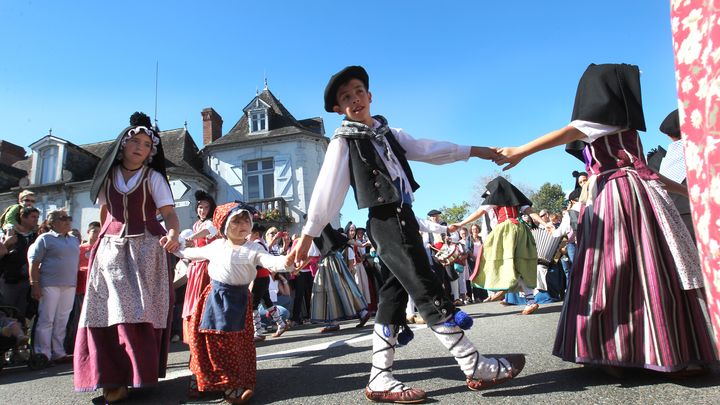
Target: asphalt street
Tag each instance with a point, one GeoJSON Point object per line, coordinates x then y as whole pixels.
{"type": "Point", "coordinates": [306, 367]}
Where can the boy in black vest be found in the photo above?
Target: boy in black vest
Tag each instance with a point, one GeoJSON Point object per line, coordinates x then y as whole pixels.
{"type": "Point", "coordinates": [373, 158]}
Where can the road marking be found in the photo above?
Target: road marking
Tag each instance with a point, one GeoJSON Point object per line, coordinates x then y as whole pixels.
{"type": "Point", "coordinates": [185, 372]}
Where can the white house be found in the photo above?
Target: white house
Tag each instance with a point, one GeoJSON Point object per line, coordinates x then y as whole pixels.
{"type": "Point", "coordinates": [268, 159]}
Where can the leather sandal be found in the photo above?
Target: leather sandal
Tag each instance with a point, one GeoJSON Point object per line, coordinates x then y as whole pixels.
{"type": "Point", "coordinates": [517, 363]}
{"type": "Point", "coordinates": [238, 395]}
{"type": "Point", "coordinates": [406, 396]}
{"type": "Point", "coordinates": [497, 296]}
{"type": "Point", "coordinates": [529, 309]}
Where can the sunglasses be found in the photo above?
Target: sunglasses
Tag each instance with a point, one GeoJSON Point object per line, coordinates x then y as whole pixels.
{"type": "Point", "coordinates": [65, 218]}
{"type": "Point", "coordinates": [28, 200]}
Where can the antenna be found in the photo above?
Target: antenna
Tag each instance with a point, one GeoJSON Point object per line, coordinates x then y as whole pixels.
{"type": "Point", "coordinates": [157, 70]}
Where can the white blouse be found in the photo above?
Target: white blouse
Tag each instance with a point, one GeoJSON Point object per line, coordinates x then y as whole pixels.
{"type": "Point", "coordinates": [234, 265]}
{"type": "Point", "coordinates": [593, 130]}
{"type": "Point", "coordinates": [159, 188]}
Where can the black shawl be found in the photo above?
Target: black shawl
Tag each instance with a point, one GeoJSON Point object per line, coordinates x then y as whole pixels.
{"type": "Point", "coordinates": [608, 94]}
{"type": "Point", "coordinates": [503, 193]}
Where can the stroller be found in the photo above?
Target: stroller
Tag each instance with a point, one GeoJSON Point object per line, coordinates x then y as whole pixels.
{"type": "Point", "coordinates": [14, 351]}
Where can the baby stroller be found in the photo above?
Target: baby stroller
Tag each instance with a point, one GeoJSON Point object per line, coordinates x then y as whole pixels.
{"type": "Point", "coordinates": [14, 351]}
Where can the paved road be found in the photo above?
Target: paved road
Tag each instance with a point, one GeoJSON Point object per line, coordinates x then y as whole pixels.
{"type": "Point", "coordinates": [305, 367]}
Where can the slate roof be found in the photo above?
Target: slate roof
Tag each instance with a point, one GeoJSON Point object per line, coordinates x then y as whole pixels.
{"type": "Point", "coordinates": [280, 123]}
{"type": "Point", "coordinates": [181, 155]}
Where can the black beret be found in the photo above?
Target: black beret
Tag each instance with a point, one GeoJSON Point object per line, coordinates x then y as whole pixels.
{"type": "Point", "coordinates": [433, 212]}
{"type": "Point", "coordinates": [340, 78]}
{"type": "Point", "coordinates": [671, 125]}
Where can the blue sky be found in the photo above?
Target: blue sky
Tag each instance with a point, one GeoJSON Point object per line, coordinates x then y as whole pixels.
{"type": "Point", "coordinates": [471, 72]}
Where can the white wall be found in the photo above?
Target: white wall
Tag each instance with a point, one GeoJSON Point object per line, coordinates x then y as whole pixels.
{"type": "Point", "coordinates": [306, 156]}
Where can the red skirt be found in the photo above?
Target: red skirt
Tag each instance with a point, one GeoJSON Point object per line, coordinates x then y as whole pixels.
{"type": "Point", "coordinates": [222, 360]}
{"type": "Point", "coordinates": [197, 280]}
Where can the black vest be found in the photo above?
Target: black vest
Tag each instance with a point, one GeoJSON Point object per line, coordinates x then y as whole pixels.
{"type": "Point", "coordinates": [369, 176]}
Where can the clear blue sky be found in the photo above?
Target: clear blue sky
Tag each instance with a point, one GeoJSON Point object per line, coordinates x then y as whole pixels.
{"type": "Point", "coordinates": [471, 72]}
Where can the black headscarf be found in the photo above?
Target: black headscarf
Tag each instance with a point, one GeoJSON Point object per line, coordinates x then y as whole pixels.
{"type": "Point", "coordinates": [503, 193]}
{"type": "Point", "coordinates": [608, 94]}
{"type": "Point", "coordinates": [671, 125]}
{"type": "Point", "coordinates": [110, 159]}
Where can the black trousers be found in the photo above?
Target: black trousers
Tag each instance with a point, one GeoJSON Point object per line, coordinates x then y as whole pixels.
{"type": "Point", "coordinates": [261, 293]}
{"type": "Point", "coordinates": [394, 232]}
{"type": "Point", "coordinates": [303, 293]}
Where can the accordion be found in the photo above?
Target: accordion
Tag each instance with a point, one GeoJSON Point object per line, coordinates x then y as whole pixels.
{"type": "Point", "coordinates": [547, 245]}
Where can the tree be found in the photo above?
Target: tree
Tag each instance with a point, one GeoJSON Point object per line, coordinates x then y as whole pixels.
{"type": "Point", "coordinates": [549, 197]}
{"type": "Point", "coordinates": [455, 212]}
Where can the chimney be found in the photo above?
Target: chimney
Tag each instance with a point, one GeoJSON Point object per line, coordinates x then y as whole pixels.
{"type": "Point", "coordinates": [212, 125]}
{"type": "Point", "coordinates": [10, 153]}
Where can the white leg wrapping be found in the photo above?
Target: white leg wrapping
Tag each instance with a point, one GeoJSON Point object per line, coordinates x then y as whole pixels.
{"type": "Point", "coordinates": [468, 358]}
{"type": "Point", "coordinates": [257, 323]}
{"type": "Point", "coordinates": [275, 314]}
{"type": "Point", "coordinates": [384, 342]}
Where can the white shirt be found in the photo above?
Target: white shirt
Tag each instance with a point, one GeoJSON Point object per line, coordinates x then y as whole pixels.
{"type": "Point", "coordinates": [334, 178]}
{"type": "Point", "coordinates": [673, 164]}
{"type": "Point", "coordinates": [234, 265]}
{"type": "Point", "coordinates": [593, 130]}
{"type": "Point", "coordinates": [159, 188]}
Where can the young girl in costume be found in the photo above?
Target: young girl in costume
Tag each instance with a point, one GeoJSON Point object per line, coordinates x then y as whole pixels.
{"type": "Point", "coordinates": [335, 294]}
{"type": "Point", "coordinates": [635, 297]}
{"type": "Point", "coordinates": [197, 276]}
{"type": "Point", "coordinates": [123, 332]}
{"type": "Point", "coordinates": [509, 256]}
{"type": "Point", "coordinates": [221, 341]}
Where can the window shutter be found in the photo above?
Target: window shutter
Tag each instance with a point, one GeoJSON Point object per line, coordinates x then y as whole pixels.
{"type": "Point", "coordinates": [283, 177]}
{"type": "Point", "coordinates": [235, 181]}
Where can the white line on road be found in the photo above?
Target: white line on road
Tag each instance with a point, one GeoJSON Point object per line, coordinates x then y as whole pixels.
{"type": "Point", "coordinates": [184, 372]}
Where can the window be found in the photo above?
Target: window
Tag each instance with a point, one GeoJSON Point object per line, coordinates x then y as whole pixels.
{"type": "Point", "coordinates": [258, 121]}
{"type": "Point", "coordinates": [260, 179]}
{"type": "Point", "coordinates": [48, 164]}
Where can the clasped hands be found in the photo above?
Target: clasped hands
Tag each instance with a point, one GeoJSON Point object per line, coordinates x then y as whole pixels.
{"type": "Point", "coordinates": [509, 156]}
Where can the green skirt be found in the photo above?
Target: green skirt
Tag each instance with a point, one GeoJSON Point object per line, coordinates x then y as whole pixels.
{"type": "Point", "coordinates": [509, 253]}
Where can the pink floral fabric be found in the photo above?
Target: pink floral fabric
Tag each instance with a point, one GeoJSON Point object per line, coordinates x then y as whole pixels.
{"type": "Point", "coordinates": [696, 41]}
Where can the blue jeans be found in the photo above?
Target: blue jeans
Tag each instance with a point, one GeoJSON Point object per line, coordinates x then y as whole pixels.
{"type": "Point", "coordinates": [567, 264]}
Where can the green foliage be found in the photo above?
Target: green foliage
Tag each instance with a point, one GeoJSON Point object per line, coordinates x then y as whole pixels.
{"type": "Point", "coordinates": [549, 197]}
{"type": "Point", "coordinates": [455, 212]}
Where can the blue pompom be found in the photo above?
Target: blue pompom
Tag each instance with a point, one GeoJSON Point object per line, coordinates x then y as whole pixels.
{"type": "Point", "coordinates": [463, 320]}
{"type": "Point", "coordinates": [405, 336]}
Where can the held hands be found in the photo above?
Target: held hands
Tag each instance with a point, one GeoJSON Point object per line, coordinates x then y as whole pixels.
{"type": "Point", "coordinates": [484, 152]}
{"type": "Point", "coordinates": [170, 243]}
{"type": "Point", "coordinates": [453, 227]}
{"type": "Point", "coordinates": [299, 253]}
{"type": "Point", "coordinates": [509, 156]}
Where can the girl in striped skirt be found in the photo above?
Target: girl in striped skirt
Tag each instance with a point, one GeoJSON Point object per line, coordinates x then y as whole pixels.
{"type": "Point", "coordinates": [635, 297]}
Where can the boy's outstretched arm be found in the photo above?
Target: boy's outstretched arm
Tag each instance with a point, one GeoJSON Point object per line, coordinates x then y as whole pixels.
{"type": "Point", "coordinates": [513, 155]}
{"type": "Point", "coordinates": [484, 152]}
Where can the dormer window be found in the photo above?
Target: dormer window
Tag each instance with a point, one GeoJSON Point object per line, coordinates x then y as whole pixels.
{"type": "Point", "coordinates": [258, 121]}
{"type": "Point", "coordinates": [257, 115]}
{"type": "Point", "coordinates": [48, 164]}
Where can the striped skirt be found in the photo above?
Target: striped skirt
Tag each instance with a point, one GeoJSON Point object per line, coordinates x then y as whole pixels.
{"type": "Point", "coordinates": [335, 294]}
{"type": "Point", "coordinates": [625, 305]}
